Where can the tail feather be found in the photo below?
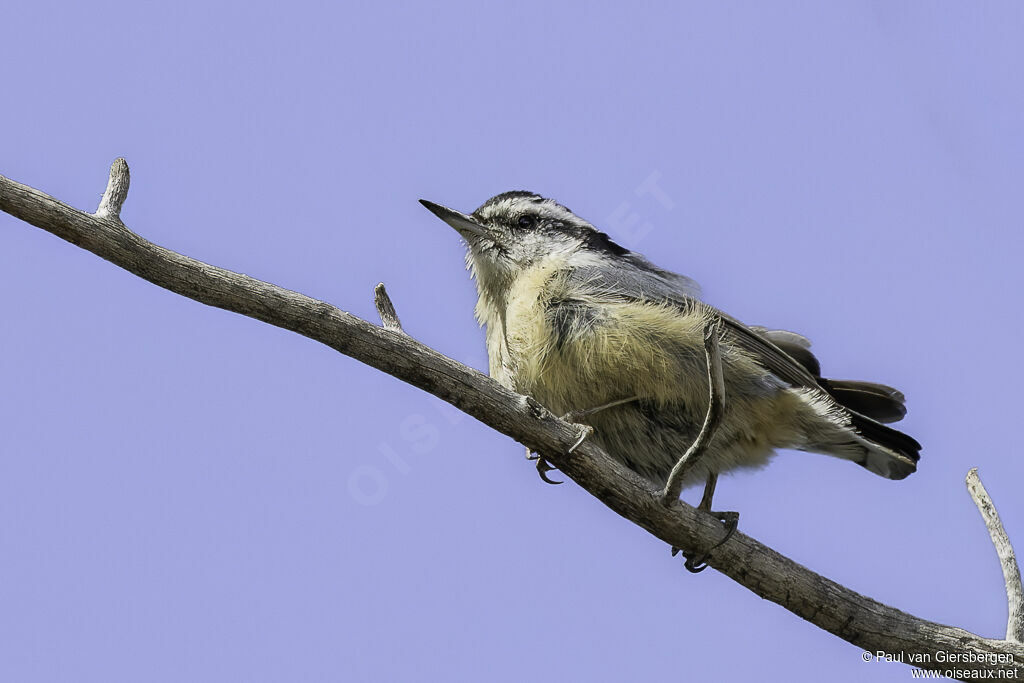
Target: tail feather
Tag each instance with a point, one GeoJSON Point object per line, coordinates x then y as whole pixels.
{"type": "Point", "coordinates": [890, 452]}
{"type": "Point", "coordinates": [877, 401]}
{"type": "Point", "coordinates": [796, 346]}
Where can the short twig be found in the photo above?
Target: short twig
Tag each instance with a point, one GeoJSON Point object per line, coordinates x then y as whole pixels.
{"type": "Point", "coordinates": [716, 407]}
{"type": "Point", "coordinates": [1007, 558]}
{"type": "Point", "coordinates": [116, 192]}
{"type": "Point", "coordinates": [386, 309]}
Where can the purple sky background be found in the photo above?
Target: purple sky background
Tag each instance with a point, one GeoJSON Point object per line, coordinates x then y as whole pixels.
{"type": "Point", "coordinates": [187, 494]}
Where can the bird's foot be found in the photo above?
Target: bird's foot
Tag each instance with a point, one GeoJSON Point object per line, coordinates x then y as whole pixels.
{"type": "Point", "coordinates": [543, 466]}
{"type": "Point", "coordinates": [574, 416]}
{"type": "Point", "coordinates": [585, 431]}
{"type": "Point", "coordinates": [697, 562]}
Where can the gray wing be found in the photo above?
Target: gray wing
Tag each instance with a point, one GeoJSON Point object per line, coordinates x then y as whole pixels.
{"type": "Point", "coordinates": [637, 279]}
{"type": "Point", "coordinates": [768, 354]}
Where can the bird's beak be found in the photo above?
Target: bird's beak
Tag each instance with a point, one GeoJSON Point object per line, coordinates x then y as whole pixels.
{"type": "Point", "coordinates": [466, 225]}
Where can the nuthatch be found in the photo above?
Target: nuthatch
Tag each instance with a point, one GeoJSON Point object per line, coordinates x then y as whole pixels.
{"type": "Point", "coordinates": [587, 327]}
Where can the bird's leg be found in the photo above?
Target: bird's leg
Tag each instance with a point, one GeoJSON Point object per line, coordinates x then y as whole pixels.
{"type": "Point", "coordinates": [709, 492]}
{"type": "Point", "coordinates": [543, 466]}
{"type": "Point", "coordinates": [731, 519]}
{"type": "Point", "coordinates": [698, 562]}
{"type": "Point", "coordinates": [685, 465]}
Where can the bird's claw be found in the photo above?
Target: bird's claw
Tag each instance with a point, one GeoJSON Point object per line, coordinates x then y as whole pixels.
{"type": "Point", "coordinates": [543, 467]}
{"type": "Point", "coordinates": [697, 562]}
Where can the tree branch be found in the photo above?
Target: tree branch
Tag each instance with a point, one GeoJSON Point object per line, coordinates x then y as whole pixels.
{"type": "Point", "coordinates": [713, 418]}
{"type": "Point", "coordinates": [386, 309]}
{"type": "Point", "coordinates": [1007, 558]}
{"type": "Point", "coordinates": [116, 192]}
{"type": "Point", "coordinates": [860, 620]}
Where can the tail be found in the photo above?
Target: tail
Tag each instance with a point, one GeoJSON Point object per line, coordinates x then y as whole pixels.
{"type": "Point", "coordinates": [867, 440]}
{"type": "Point", "coordinates": [888, 452]}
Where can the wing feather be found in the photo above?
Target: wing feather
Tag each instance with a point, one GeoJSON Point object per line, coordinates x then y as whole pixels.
{"type": "Point", "coordinates": [638, 280]}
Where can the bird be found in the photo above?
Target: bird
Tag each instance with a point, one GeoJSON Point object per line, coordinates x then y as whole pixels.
{"type": "Point", "coordinates": [599, 333]}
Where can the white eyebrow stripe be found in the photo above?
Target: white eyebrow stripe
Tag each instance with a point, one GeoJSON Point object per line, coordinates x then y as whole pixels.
{"type": "Point", "coordinates": [549, 209]}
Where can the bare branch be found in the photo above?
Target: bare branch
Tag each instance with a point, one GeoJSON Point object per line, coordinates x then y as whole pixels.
{"type": "Point", "coordinates": [860, 620]}
{"type": "Point", "coordinates": [386, 309]}
{"type": "Point", "coordinates": [1007, 558]}
{"type": "Point", "coordinates": [716, 408]}
{"type": "Point", "coordinates": [116, 192]}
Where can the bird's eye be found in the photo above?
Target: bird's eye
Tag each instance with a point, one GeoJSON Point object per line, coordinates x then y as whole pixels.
{"type": "Point", "coordinates": [526, 221]}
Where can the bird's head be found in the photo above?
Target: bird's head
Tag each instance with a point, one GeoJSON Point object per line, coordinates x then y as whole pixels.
{"type": "Point", "coordinates": [513, 231]}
